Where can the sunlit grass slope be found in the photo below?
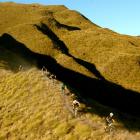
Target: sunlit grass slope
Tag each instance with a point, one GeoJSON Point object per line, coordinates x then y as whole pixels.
{"type": "Point", "coordinates": [35, 109]}
{"type": "Point", "coordinates": [107, 50]}
{"type": "Point", "coordinates": [32, 106]}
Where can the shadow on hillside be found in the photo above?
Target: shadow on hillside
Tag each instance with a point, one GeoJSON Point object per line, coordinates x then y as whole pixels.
{"type": "Point", "coordinates": [102, 91]}
{"type": "Point", "coordinates": [90, 67]}
{"type": "Point", "coordinates": [69, 28]}
{"type": "Point", "coordinates": [13, 54]}
{"type": "Point", "coordinates": [55, 39]}
{"type": "Point", "coordinates": [60, 45]}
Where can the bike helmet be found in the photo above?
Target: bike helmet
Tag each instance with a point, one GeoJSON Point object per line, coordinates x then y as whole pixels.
{"type": "Point", "coordinates": [111, 114]}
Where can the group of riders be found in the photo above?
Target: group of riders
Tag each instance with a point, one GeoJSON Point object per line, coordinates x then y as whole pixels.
{"type": "Point", "coordinates": [75, 103]}
{"type": "Point", "coordinates": [76, 107]}
{"type": "Point", "coordinates": [47, 73]}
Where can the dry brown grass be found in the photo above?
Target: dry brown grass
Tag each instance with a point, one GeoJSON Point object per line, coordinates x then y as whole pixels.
{"type": "Point", "coordinates": [34, 108]}
{"type": "Point", "coordinates": [31, 106]}
{"type": "Point", "coordinates": [92, 43]}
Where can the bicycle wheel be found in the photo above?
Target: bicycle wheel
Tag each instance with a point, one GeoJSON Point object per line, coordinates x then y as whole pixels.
{"type": "Point", "coordinates": [110, 129]}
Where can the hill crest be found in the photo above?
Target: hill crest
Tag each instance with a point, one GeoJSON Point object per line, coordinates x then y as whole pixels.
{"type": "Point", "coordinates": [107, 61]}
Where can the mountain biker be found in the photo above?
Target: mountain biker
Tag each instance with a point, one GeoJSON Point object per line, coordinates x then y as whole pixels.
{"type": "Point", "coordinates": [75, 105]}
{"type": "Point", "coordinates": [63, 88]}
{"type": "Point", "coordinates": [44, 70]}
{"type": "Point", "coordinates": [20, 68]}
{"type": "Point", "coordinates": [109, 120]}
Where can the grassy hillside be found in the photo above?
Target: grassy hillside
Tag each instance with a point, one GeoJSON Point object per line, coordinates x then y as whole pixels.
{"type": "Point", "coordinates": [99, 66]}
{"type": "Point", "coordinates": [35, 108]}
{"type": "Point", "coordinates": [40, 28]}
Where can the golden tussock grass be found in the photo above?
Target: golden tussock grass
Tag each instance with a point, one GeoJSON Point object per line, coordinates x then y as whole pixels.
{"type": "Point", "coordinates": [31, 105]}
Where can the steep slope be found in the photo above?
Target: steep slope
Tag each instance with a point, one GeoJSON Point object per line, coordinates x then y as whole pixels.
{"type": "Point", "coordinates": [95, 64]}
{"type": "Point", "coordinates": [86, 56]}
{"type": "Point", "coordinates": [35, 108]}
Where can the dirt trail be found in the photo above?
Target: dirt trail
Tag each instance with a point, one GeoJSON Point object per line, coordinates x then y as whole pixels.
{"type": "Point", "coordinates": [80, 117]}
{"type": "Point", "coordinates": [67, 104]}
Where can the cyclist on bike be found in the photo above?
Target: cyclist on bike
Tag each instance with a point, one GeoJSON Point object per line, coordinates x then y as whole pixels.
{"type": "Point", "coordinates": [109, 119]}
{"type": "Point", "coordinates": [63, 88]}
{"type": "Point", "coordinates": [20, 68]}
{"type": "Point", "coordinates": [75, 105]}
{"type": "Point", "coordinates": [109, 123]}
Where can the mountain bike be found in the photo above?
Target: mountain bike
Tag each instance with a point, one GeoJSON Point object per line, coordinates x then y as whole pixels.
{"type": "Point", "coordinates": [110, 128]}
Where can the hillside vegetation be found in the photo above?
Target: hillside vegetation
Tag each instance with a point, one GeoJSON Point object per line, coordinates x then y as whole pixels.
{"type": "Point", "coordinates": [100, 68]}
{"type": "Point", "coordinates": [35, 109]}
